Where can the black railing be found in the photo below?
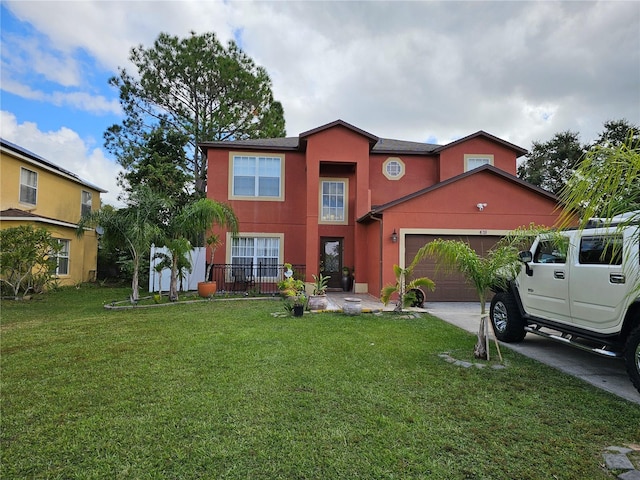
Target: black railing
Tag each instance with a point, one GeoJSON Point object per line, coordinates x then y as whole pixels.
{"type": "Point", "coordinates": [259, 279]}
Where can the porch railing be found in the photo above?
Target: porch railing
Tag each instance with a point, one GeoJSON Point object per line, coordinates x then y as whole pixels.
{"type": "Point", "coordinates": [251, 278]}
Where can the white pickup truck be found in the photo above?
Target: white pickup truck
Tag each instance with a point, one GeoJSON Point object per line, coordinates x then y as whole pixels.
{"type": "Point", "coordinates": [580, 287]}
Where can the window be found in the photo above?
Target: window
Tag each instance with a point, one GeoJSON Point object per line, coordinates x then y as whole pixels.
{"type": "Point", "coordinates": [256, 177]}
{"type": "Point", "coordinates": [601, 250]}
{"type": "Point", "coordinates": [472, 161]}
{"type": "Point", "coordinates": [28, 186]}
{"type": "Point", "coordinates": [393, 168]}
{"type": "Point", "coordinates": [63, 258]}
{"type": "Point", "coordinates": [551, 251]}
{"type": "Point", "coordinates": [255, 256]}
{"type": "Point", "coordinates": [333, 200]}
{"type": "Point", "coordinates": [86, 203]}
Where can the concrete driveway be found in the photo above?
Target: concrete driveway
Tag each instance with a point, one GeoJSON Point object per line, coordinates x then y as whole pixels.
{"type": "Point", "coordinates": [605, 373]}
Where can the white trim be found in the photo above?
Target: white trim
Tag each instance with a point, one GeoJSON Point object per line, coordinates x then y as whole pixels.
{"type": "Point", "coordinates": [41, 220]}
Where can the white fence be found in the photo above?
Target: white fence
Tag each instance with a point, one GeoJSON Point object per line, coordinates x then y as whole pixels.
{"type": "Point", "coordinates": [190, 281]}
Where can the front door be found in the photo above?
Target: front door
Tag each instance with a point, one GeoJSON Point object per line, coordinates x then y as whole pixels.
{"type": "Point", "coordinates": [331, 260]}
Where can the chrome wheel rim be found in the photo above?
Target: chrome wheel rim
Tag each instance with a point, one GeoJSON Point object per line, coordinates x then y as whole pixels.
{"type": "Point", "coordinates": [638, 357]}
{"type": "Point", "coordinates": [500, 317]}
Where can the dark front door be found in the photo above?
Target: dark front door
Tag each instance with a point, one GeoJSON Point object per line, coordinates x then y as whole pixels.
{"type": "Point", "coordinates": [331, 259]}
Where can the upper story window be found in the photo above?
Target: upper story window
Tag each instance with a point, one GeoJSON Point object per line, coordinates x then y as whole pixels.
{"type": "Point", "coordinates": [256, 177]}
{"type": "Point", "coordinates": [28, 186]}
{"type": "Point", "coordinates": [393, 168]}
{"type": "Point", "coordinates": [62, 258]}
{"type": "Point", "coordinates": [86, 203]}
{"type": "Point", "coordinates": [472, 161]}
{"type": "Point", "coordinates": [333, 201]}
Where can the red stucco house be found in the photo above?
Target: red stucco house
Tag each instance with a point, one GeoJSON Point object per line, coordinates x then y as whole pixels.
{"type": "Point", "coordinates": [338, 196]}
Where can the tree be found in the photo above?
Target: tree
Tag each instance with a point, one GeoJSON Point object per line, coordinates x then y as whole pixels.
{"type": "Point", "coordinates": [136, 226]}
{"type": "Point", "coordinates": [550, 164]}
{"type": "Point", "coordinates": [27, 258]}
{"type": "Point", "coordinates": [159, 161]}
{"type": "Point", "coordinates": [184, 227]}
{"type": "Point", "coordinates": [482, 272]}
{"type": "Point", "coordinates": [617, 132]}
{"type": "Point", "coordinates": [198, 88]}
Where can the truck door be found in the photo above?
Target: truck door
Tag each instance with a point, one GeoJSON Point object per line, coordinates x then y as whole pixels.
{"type": "Point", "coordinates": [545, 291]}
{"type": "Point", "coordinates": [599, 285]}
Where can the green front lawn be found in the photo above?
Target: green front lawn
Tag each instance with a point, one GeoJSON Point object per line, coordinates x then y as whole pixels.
{"type": "Point", "coordinates": [223, 389]}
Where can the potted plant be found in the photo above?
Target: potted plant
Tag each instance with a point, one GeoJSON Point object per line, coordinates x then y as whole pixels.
{"type": "Point", "coordinates": [405, 290]}
{"type": "Point", "coordinates": [347, 280]}
{"type": "Point", "coordinates": [209, 287]}
{"type": "Point", "coordinates": [318, 300]}
{"type": "Point", "coordinates": [292, 290]}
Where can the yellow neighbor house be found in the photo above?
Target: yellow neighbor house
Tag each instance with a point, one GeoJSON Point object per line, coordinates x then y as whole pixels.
{"type": "Point", "coordinates": [34, 191]}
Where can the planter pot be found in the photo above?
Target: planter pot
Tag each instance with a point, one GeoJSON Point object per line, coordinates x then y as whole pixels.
{"type": "Point", "coordinates": [206, 289]}
{"type": "Point", "coordinates": [318, 302]}
{"type": "Point", "coordinates": [352, 306]}
{"type": "Point", "coordinates": [346, 282]}
{"type": "Point", "coordinates": [298, 310]}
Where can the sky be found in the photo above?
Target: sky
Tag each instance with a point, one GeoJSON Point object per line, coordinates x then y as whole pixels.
{"type": "Point", "coordinates": [419, 71]}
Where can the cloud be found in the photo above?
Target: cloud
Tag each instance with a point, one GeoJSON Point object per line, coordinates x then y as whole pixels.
{"type": "Point", "coordinates": [65, 148]}
{"type": "Point", "coordinates": [409, 70]}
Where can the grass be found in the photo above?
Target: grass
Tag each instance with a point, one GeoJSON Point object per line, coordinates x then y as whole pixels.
{"type": "Point", "coordinates": [225, 390]}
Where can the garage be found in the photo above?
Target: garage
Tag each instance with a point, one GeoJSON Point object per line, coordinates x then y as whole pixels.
{"type": "Point", "coordinates": [450, 287]}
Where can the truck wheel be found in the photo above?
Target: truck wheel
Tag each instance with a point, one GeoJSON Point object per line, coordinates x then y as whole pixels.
{"type": "Point", "coordinates": [507, 322]}
{"type": "Point", "coordinates": [632, 357]}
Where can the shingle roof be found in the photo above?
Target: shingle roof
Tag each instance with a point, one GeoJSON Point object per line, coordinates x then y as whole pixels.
{"type": "Point", "coordinates": [481, 133]}
{"type": "Point", "coordinates": [378, 145]}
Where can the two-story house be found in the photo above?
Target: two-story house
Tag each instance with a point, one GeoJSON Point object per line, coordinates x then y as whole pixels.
{"type": "Point", "coordinates": [338, 196]}
{"type": "Point", "coordinates": [37, 192]}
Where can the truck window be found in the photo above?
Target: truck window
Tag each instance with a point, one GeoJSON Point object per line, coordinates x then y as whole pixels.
{"type": "Point", "coordinates": [550, 251]}
{"type": "Point", "coordinates": [601, 250]}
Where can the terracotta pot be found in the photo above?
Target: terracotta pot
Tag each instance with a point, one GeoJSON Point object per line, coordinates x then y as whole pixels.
{"type": "Point", "coordinates": [206, 289]}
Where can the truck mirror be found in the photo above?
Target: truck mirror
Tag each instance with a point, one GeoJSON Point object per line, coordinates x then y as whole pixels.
{"type": "Point", "coordinates": [525, 257]}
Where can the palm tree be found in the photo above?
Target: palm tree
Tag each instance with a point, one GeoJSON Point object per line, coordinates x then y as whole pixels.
{"type": "Point", "coordinates": [134, 226]}
{"type": "Point", "coordinates": [605, 184]}
{"type": "Point", "coordinates": [187, 225]}
{"type": "Point", "coordinates": [482, 272]}
{"type": "Point", "coordinates": [403, 289]}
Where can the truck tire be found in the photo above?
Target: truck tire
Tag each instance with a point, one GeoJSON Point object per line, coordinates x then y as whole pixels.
{"type": "Point", "coordinates": [632, 357]}
{"type": "Point", "coordinates": [508, 324]}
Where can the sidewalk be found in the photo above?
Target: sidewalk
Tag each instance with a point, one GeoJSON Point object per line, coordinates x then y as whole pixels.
{"type": "Point", "coordinates": [605, 373]}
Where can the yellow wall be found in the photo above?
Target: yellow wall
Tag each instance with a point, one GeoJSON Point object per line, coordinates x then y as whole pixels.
{"type": "Point", "coordinates": [59, 198]}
